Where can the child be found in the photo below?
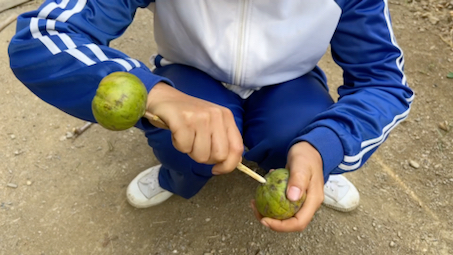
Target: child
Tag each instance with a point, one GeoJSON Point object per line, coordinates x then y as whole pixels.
{"type": "Point", "coordinates": [229, 74]}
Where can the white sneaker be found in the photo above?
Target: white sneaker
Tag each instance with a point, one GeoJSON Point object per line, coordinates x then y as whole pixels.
{"type": "Point", "coordinates": [340, 194]}
{"type": "Point", "coordinates": [144, 191]}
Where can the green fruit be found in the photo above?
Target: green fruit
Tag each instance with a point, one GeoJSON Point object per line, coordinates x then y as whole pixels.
{"type": "Point", "coordinates": [120, 101]}
{"type": "Point", "coordinates": [270, 198]}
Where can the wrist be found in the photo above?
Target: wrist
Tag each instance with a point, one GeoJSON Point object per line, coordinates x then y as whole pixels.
{"type": "Point", "coordinates": [158, 93]}
{"type": "Point", "coordinates": [308, 152]}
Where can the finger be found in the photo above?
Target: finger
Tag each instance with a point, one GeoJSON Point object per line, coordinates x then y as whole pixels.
{"type": "Point", "coordinates": [201, 150]}
{"type": "Point", "coordinates": [255, 211]}
{"type": "Point", "coordinates": [298, 182]}
{"type": "Point", "coordinates": [300, 221]}
{"type": "Point", "coordinates": [236, 148]}
{"type": "Point", "coordinates": [309, 208]}
{"type": "Point", "coordinates": [219, 139]}
{"type": "Point", "coordinates": [288, 225]}
{"type": "Point", "coordinates": [183, 139]}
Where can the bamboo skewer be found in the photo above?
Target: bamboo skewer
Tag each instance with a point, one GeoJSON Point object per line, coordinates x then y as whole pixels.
{"type": "Point", "coordinates": [251, 173]}
{"type": "Point", "coordinates": [155, 120]}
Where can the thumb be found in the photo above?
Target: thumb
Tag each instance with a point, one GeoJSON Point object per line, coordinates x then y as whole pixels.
{"type": "Point", "coordinates": [297, 184]}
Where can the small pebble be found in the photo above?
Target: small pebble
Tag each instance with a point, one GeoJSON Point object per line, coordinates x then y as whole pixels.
{"type": "Point", "coordinates": [451, 179]}
{"type": "Point", "coordinates": [444, 126]}
{"type": "Point", "coordinates": [354, 228]}
{"type": "Point", "coordinates": [12, 137]}
{"type": "Point", "coordinates": [29, 183]}
{"type": "Point", "coordinates": [208, 219]}
{"type": "Point", "coordinates": [69, 135]}
{"type": "Point", "coordinates": [414, 164]}
{"type": "Point", "coordinates": [62, 138]}
{"type": "Point", "coordinates": [392, 244]}
{"type": "Point", "coordinates": [11, 185]}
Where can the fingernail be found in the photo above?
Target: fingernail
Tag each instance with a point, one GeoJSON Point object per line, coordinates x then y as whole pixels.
{"type": "Point", "coordinates": [265, 223]}
{"type": "Point", "coordinates": [294, 193]}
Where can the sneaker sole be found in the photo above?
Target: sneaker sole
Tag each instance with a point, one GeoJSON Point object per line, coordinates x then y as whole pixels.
{"type": "Point", "coordinates": [157, 199]}
{"type": "Point", "coordinates": [341, 209]}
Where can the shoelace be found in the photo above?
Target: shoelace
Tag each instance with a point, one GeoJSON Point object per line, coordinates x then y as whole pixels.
{"type": "Point", "coordinates": [332, 185]}
{"type": "Point", "coordinates": [337, 188]}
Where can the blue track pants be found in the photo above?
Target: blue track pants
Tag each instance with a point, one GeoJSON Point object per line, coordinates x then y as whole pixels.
{"type": "Point", "coordinates": [268, 120]}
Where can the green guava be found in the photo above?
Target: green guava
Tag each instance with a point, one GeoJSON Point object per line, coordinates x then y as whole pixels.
{"type": "Point", "coordinates": [120, 101]}
{"type": "Point", "coordinates": [270, 198]}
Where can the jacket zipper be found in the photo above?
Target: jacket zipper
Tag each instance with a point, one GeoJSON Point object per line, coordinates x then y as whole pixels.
{"type": "Point", "coordinates": [240, 49]}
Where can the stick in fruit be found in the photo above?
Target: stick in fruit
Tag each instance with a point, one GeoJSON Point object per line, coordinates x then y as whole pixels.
{"type": "Point", "coordinates": [120, 102]}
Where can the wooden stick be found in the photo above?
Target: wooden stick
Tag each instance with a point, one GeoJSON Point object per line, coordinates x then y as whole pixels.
{"type": "Point", "coordinates": [250, 173]}
{"type": "Point", "coordinates": [446, 41]}
{"type": "Point", "coordinates": [80, 130]}
{"type": "Point", "coordinates": [8, 21]}
{"type": "Point", "coordinates": [158, 122]}
{"type": "Point", "coordinates": [8, 4]}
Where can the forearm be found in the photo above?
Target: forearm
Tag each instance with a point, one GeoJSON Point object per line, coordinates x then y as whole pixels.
{"type": "Point", "coordinates": [62, 55]}
{"type": "Point", "coordinates": [375, 96]}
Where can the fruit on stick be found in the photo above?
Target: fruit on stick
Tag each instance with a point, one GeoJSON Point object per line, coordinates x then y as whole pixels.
{"type": "Point", "coordinates": [120, 101]}
{"type": "Point", "coordinates": [271, 200]}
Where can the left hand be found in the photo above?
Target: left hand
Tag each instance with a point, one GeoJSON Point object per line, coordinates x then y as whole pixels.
{"type": "Point", "coordinates": [306, 175]}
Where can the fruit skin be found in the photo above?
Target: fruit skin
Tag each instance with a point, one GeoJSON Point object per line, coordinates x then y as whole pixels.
{"type": "Point", "coordinates": [120, 101]}
{"type": "Point", "coordinates": [270, 198]}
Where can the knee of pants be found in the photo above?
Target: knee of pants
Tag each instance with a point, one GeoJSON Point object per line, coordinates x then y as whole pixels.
{"type": "Point", "coordinates": [271, 150]}
{"type": "Point", "coordinates": [161, 142]}
{"type": "Point", "coordinates": [179, 174]}
{"type": "Point", "coordinates": [185, 185]}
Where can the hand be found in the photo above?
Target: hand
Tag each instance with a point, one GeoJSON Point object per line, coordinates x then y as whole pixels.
{"type": "Point", "coordinates": [205, 131]}
{"type": "Point", "coordinates": [305, 165]}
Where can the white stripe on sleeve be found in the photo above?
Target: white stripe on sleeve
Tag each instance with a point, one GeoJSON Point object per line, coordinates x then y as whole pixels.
{"type": "Point", "coordinates": [66, 39]}
{"type": "Point", "coordinates": [372, 143]}
{"type": "Point", "coordinates": [136, 63]}
{"type": "Point", "coordinates": [80, 56]}
{"type": "Point", "coordinates": [122, 62]}
{"type": "Point", "coordinates": [34, 29]}
{"type": "Point", "coordinates": [68, 13]}
{"type": "Point", "coordinates": [97, 52]}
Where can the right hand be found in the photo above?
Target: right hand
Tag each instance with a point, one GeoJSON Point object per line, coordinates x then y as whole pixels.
{"type": "Point", "coordinates": [205, 131]}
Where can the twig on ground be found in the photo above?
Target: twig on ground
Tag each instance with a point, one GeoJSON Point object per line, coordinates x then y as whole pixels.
{"type": "Point", "coordinates": [8, 4]}
{"type": "Point", "coordinates": [446, 41]}
{"type": "Point", "coordinates": [8, 21]}
{"type": "Point", "coordinates": [80, 130]}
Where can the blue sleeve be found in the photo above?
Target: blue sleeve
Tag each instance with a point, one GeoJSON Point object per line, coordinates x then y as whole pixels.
{"type": "Point", "coordinates": [60, 51]}
{"type": "Point", "coordinates": [374, 98]}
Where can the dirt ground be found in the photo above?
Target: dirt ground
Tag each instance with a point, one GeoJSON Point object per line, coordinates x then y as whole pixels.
{"type": "Point", "coordinates": [70, 194]}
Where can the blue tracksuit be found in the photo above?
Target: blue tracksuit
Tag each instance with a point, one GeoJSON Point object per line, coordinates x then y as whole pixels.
{"type": "Point", "coordinates": [258, 58]}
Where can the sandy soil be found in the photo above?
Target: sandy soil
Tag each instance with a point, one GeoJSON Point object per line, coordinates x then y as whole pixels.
{"type": "Point", "coordinates": [70, 194]}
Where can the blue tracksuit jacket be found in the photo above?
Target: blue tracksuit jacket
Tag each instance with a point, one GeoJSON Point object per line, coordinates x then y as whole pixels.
{"type": "Point", "coordinates": [61, 52]}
